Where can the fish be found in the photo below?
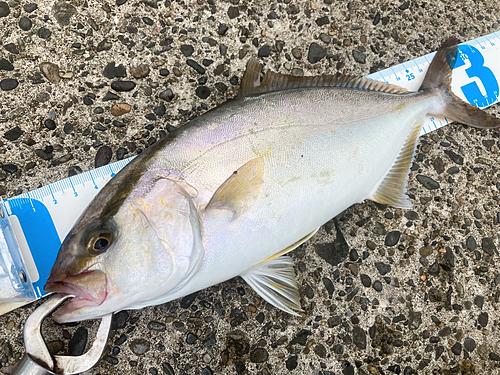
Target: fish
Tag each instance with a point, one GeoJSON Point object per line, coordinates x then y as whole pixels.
{"type": "Point", "coordinates": [234, 190]}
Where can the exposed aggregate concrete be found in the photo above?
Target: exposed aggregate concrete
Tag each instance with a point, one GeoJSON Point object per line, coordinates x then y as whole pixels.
{"type": "Point", "coordinates": [385, 291]}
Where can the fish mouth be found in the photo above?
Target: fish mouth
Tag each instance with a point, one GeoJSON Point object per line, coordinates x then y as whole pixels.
{"type": "Point", "coordinates": [88, 287]}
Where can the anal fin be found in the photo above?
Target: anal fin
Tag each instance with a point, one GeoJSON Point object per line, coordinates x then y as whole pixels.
{"type": "Point", "coordinates": [275, 282]}
{"type": "Point", "coordinates": [392, 189]}
{"type": "Point", "coordinates": [291, 247]}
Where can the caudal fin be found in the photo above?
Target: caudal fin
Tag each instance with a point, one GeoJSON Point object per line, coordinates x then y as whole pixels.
{"type": "Point", "coordinates": [439, 78]}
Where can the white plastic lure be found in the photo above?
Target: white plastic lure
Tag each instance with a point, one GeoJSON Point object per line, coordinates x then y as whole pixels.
{"type": "Point", "coordinates": [234, 190]}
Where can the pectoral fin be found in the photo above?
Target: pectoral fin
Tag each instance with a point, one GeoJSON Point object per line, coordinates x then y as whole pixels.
{"type": "Point", "coordinates": [240, 191]}
{"type": "Point", "coordinates": [275, 282]}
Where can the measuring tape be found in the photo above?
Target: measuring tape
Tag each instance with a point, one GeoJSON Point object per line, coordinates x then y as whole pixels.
{"type": "Point", "coordinates": [34, 224]}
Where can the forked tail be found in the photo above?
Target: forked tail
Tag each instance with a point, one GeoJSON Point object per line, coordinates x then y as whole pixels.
{"type": "Point", "coordinates": [438, 79]}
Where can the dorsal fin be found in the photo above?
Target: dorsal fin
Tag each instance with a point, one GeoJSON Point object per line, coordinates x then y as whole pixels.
{"type": "Point", "coordinates": [251, 84]}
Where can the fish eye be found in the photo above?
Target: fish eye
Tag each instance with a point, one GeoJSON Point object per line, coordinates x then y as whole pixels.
{"type": "Point", "coordinates": [99, 243]}
{"type": "Point", "coordinates": [98, 238]}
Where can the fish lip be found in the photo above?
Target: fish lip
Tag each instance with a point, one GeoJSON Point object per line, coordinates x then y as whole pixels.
{"type": "Point", "coordinates": [65, 286]}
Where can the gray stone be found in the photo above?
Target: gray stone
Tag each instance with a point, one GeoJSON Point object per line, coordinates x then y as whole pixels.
{"type": "Point", "coordinates": [111, 71]}
{"type": "Point", "coordinates": [103, 156]}
{"type": "Point", "coordinates": [449, 257]}
{"type": "Point", "coordinates": [264, 51]}
{"type": "Point", "coordinates": [494, 357]}
{"type": "Point", "coordinates": [259, 355]}
{"type": "Point", "coordinates": [359, 56]}
{"type": "Point", "coordinates": [456, 348]}
{"type": "Point", "coordinates": [187, 50]}
{"type": "Point", "coordinates": [167, 368]}
{"type": "Point", "coordinates": [320, 350]}
{"type": "Point", "coordinates": [316, 53]}
{"type": "Point", "coordinates": [377, 285]}
{"type": "Point", "coordinates": [445, 331]}
{"type": "Point", "coordinates": [469, 344]}
{"type": "Point", "coordinates": [392, 238]}
{"type": "Point", "coordinates": [365, 280]}
{"type": "Point", "coordinates": [166, 95]}
{"type": "Point", "coordinates": [193, 64]}
{"type": "Point", "coordinates": [12, 48]}
{"type": "Point", "coordinates": [482, 319]}
{"type": "Point", "coordinates": [63, 11]}
{"type": "Point", "coordinates": [157, 326]}
{"type": "Point", "coordinates": [123, 86]}
{"type": "Point", "coordinates": [382, 268]}
{"type": "Point", "coordinates": [233, 12]}
{"type": "Point", "coordinates": [488, 246]}
{"type": "Point", "coordinates": [202, 92]}
{"type": "Point", "coordinates": [31, 7]}
{"type": "Point", "coordinates": [291, 363]}
{"type": "Point", "coordinates": [359, 337]}
{"type": "Point", "coordinates": [6, 65]}
{"type": "Point", "coordinates": [191, 338]}
{"type": "Point", "coordinates": [471, 243]}
{"type": "Point", "coordinates": [10, 168]}
{"type": "Point", "coordinates": [76, 345]}
{"type": "Point", "coordinates": [428, 182]}
{"type": "Point", "coordinates": [140, 346]}
{"type": "Point", "coordinates": [301, 337]}
{"type": "Point", "coordinates": [479, 301]}
{"type": "Point", "coordinates": [140, 71]}
{"type": "Point", "coordinates": [13, 133]}
{"type": "Point", "coordinates": [8, 84]}
{"type": "Point", "coordinates": [61, 160]}
{"type": "Point", "coordinates": [455, 157]}
{"type": "Point", "coordinates": [104, 45]}
{"type": "Point", "coordinates": [44, 33]}
{"type": "Point", "coordinates": [50, 71]}
{"type": "Point", "coordinates": [25, 23]}
{"type": "Point", "coordinates": [4, 9]}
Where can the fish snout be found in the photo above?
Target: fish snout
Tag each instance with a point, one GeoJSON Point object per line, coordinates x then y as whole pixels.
{"type": "Point", "coordinates": [90, 285]}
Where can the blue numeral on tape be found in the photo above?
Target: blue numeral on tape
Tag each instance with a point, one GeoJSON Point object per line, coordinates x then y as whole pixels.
{"type": "Point", "coordinates": [477, 70]}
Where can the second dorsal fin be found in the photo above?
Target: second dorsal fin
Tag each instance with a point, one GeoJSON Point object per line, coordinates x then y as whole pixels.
{"type": "Point", "coordinates": [251, 85]}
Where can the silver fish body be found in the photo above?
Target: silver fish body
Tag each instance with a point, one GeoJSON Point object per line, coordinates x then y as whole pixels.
{"type": "Point", "coordinates": [229, 192]}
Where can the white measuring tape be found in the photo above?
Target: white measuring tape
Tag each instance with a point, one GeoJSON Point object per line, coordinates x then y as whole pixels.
{"type": "Point", "coordinates": [34, 224]}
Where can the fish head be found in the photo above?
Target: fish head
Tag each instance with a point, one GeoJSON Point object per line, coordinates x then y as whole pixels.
{"type": "Point", "coordinates": [147, 249]}
{"type": "Point", "coordinates": [80, 266]}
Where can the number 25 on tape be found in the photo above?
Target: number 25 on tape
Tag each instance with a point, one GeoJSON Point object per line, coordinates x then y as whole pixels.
{"type": "Point", "coordinates": [479, 71]}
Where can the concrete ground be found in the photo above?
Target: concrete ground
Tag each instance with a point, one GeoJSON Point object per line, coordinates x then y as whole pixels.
{"type": "Point", "coordinates": [385, 291]}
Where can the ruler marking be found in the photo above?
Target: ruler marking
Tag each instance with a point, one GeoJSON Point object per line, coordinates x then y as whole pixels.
{"type": "Point", "coordinates": [74, 190]}
{"type": "Point", "coordinates": [51, 193]}
{"type": "Point", "coordinates": [395, 75]}
{"type": "Point", "coordinates": [92, 177]}
{"type": "Point", "coordinates": [380, 73]}
{"type": "Point", "coordinates": [491, 43]}
{"type": "Point", "coordinates": [415, 62]}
